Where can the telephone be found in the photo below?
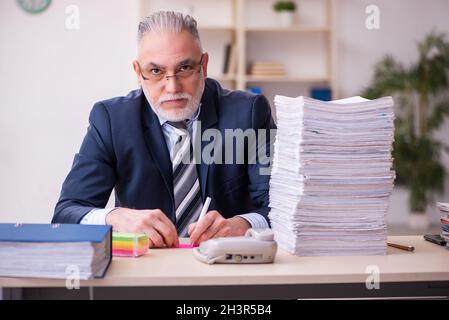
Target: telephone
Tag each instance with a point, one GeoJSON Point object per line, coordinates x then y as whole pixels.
{"type": "Point", "coordinates": [257, 246]}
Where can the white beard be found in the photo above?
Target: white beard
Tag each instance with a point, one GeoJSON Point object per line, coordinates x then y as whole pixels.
{"type": "Point", "coordinates": [177, 114]}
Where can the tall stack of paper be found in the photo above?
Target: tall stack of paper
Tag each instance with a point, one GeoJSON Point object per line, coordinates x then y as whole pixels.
{"type": "Point", "coordinates": [331, 178]}
{"type": "Point", "coordinates": [444, 210]}
{"type": "Point", "coordinates": [54, 250]}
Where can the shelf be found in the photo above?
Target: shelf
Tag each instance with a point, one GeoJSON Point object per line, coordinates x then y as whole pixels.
{"type": "Point", "coordinates": [250, 78]}
{"type": "Point", "coordinates": [307, 47]}
{"type": "Point", "coordinates": [288, 29]}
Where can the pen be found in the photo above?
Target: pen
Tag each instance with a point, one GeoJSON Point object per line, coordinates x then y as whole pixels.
{"type": "Point", "coordinates": [205, 208]}
{"type": "Point", "coordinates": [400, 246]}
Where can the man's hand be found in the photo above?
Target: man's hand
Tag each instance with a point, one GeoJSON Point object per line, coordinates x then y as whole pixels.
{"type": "Point", "coordinates": [213, 225]}
{"type": "Point", "coordinates": [160, 230]}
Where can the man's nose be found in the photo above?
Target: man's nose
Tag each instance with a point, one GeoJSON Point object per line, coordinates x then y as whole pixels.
{"type": "Point", "coordinates": [172, 85]}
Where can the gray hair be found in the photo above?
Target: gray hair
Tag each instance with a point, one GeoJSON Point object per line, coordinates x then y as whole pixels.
{"type": "Point", "coordinates": [168, 21]}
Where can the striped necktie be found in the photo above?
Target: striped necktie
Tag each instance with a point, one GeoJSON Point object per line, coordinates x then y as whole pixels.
{"type": "Point", "coordinates": [186, 185]}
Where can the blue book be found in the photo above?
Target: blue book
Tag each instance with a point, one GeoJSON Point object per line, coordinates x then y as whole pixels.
{"type": "Point", "coordinates": [445, 227]}
{"type": "Point", "coordinates": [52, 232]}
{"type": "Point", "coordinates": [55, 250]}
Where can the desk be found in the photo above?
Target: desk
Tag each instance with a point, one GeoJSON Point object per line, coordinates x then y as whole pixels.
{"type": "Point", "coordinates": [175, 273]}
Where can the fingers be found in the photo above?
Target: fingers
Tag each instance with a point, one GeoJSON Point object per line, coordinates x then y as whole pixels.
{"type": "Point", "coordinates": [218, 228]}
{"type": "Point", "coordinates": [202, 225]}
{"type": "Point", "coordinates": [155, 238]}
{"type": "Point", "coordinates": [160, 230]}
{"type": "Point", "coordinates": [191, 228]}
{"type": "Point", "coordinates": [164, 227]}
{"type": "Point", "coordinates": [168, 233]}
{"type": "Point", "coordinates": [207, 227]}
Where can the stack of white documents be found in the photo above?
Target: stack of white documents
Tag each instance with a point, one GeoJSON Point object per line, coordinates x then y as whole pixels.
{"type": "Point", "coordinates": [332, 175]}
{"type": "Point", "coordinates": [444, 210]}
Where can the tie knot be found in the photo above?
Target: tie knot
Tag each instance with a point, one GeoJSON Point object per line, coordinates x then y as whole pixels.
{"type": "Point", "coordinates": [178, 124]}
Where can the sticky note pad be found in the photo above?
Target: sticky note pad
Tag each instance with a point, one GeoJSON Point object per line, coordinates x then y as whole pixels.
{"type": "Point", "coordinates": [129, 244]}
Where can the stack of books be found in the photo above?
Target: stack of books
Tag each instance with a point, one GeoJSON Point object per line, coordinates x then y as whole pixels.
{"type": "Point", "coordinates": [267, 69]}
{"type": "Point", "coordinates": [444, 210]}
{"type": "Point", "coordinates": [54, 250]}
{"type": "Point", "coordinates": [331, 177]}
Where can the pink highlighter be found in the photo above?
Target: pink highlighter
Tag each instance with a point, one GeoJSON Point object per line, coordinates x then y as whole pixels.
{"type": "Point", "coordinates": [186, 246]}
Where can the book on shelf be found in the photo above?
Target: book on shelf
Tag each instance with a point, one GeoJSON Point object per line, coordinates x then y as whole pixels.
{"type": "Point", "coordinates": [267, 69]}
{"type": "Point", "coordinates": [230, 60]}
{"type": "Point", "coordinates": [232, 67]}
{"type": "Point", "coordinates": [227, 53]}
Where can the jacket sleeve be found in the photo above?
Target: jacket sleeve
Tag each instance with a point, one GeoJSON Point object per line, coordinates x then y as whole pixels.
{"type": "Point", "coordinates": [92, 176]}
{"type": "Point", "coordinates": [260, 155]}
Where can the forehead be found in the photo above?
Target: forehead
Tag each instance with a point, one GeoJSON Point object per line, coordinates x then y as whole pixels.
{"type": "Point", "coordinates": [167, 48]}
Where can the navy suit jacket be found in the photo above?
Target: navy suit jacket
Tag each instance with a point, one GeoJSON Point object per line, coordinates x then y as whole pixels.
{"type": "Point", "coordinates": [124, 148]}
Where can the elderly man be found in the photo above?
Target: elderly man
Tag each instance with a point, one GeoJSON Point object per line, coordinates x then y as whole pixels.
{"type": "Point", "coordinates": [138, 145]}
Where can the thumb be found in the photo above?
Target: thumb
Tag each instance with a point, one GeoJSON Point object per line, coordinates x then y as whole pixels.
{"type": "Point", "coordinates": [191, 228]}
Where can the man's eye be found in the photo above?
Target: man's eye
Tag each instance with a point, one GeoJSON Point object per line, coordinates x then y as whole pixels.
{"type": "Point", "coordinates": [185, 68]}
{"type": "Point", "coordinates": [156, 71]}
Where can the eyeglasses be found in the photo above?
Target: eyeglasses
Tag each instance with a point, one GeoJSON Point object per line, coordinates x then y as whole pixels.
{"type": "Point", "coordinates": [184, 71]}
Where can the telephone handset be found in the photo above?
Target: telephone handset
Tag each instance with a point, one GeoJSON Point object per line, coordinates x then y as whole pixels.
{"type": "Point", "coordinates": [257, 246]}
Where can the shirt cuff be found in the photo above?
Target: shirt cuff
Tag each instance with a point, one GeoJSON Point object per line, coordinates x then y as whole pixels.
{"type": "Point", "coordinates": [96, 216]}
{"type": "Point", "coordinates": [256, 220]}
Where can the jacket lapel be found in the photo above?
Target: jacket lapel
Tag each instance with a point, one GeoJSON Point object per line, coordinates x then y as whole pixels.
{"type": "Point", "coordinates": [208, 118]}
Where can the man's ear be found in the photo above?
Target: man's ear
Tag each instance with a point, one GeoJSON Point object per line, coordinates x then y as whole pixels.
{"type": "Point", "coordinates": [205, 62]}
{"type": "Point", "coordinates": [137, 71]}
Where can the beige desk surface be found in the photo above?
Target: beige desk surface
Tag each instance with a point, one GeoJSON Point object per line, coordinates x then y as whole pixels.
{"type": "Point", "coordinates": [178, 267]}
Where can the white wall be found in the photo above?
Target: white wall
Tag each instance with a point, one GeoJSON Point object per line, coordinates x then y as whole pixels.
{"type": "Point", "coordinates": [50, 77]}
{"type": "Point", "coordinates": [403, 23]}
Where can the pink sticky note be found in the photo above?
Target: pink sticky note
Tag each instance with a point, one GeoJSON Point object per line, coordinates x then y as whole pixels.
{"type": "Point", "coordinates": [187, 246]}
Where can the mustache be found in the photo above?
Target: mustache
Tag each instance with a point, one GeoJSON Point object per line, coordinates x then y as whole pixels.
{"type": "Point", "coordinates": [175, 96]}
